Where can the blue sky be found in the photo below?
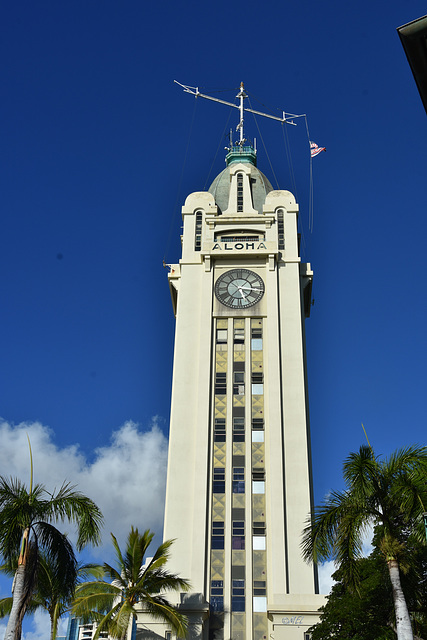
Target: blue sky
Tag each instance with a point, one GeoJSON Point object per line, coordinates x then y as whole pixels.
{"type": "Point", "coordinates": [99, 150]}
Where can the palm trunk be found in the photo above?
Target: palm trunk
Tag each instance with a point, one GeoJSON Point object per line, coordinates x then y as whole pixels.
{"type": "Point", "coordinates": [54, 617]}
{"type": "Point", "coordinates": [14, 625]}
{"type": "Point", "coordinates": [403, 621]}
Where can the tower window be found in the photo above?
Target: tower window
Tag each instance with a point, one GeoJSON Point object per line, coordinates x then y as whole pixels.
{"type": "Point", "coordinates": [221, 336]}
{"type": "Point", "coordinates": [256, 339]}
{"type": "Point", "coordinates": [239, 335]}
{"type": "Point", "coordinates": [238, 595]}
{"type": "Point", "coordinates": [258, 543]}
{"type": "Point", "coordinates": [217, 595]}
{"type": "Point", "coordinates": [257, 383]}
{"type": "Point", "coordinates": [258, 481]}
{"type": "Point", "coordinates": [220, 383]}
{"type": "Point", "coordinates": [258, 474]}
{"type": "Point", "coordinates": [280, 230]}
{"type": "Point", "coordinates": [238, 539]}
{"type": "Point", "coordinates": [260, 588]}
{"type": "Point", "coordinates": [239, 383]}
{"type": "Point", "coordinates": [218, 480]}
{"type": "Point", "coordinates": [260, 604]}
{"type": "Point", "coordinates": [258, 528]}
{"type": "Point", "coordinates": [257, 424]}
{"type": "Point", "coordinates": [217, 534]}
{"type": "Point", "coordinates": [198, 234]}
{"type": "Point", "coordinates": [238, 480]}
{"type": "Point", "coordinates": [239, 192]}
{"type": "Point", "coordinates": [219, 430]}
{"type": "Point", "coordinates": [238, 429]}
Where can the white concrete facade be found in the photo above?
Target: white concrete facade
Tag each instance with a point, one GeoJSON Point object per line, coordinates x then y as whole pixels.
{"type": "Point", "coordinates": [239, 413]}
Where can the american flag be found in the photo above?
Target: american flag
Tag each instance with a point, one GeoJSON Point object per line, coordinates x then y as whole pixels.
{"type": "Point", "coordinates": [315, 149]}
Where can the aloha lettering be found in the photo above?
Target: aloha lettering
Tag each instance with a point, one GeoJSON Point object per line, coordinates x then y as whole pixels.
{"type": "Point", "coordinates": [230, 246]}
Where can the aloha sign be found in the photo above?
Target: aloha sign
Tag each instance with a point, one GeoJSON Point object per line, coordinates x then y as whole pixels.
{"type": "Point", "coordinates": [239, 246]}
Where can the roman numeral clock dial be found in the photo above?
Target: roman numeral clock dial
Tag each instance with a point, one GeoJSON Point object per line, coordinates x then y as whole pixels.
{"type": "Point", "coordinates": [239, 288]}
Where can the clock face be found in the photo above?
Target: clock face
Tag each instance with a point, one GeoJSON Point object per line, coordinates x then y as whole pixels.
{"type": "Point", "coordinates": [239, 288]}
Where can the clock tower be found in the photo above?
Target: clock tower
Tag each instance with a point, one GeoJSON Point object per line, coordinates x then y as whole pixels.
{"type": "Point", "coordinates": [239, 473]}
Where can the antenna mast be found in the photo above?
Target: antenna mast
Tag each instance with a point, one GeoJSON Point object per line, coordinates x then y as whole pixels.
{"type": "Point", "coordinates": [285, 119]}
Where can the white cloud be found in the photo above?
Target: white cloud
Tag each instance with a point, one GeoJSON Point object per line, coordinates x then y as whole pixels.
{"type": "Point", "coordinates": [367, 536]}
{"type": "Point", "coordinates": [40, 627]}
{"type": "Point", "coordinates": [126, 478]}
{"type": "Point", "coordinates": [326, 582]}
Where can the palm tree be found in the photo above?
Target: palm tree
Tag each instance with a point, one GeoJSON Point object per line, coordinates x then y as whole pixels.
{"type": "Point", "coordinates": [54, 590]}
{"type": "Point", "coordinates": [389, 494]}
{"type": "Point", "coordinates": [26, 530]}
{"type": "Point", "coordinates": [134, 586]}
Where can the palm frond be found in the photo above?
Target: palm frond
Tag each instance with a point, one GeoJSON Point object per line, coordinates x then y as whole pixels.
{"type": "Point", "coordinates": [5, 606]}
{"type": "Point", "coordinates": [114, 575]}
{"type": "Point", "coordinates": [58, 557]}
{"type": "Point", "coordinates": [90, 570]}
{"type": "Point", "coordinates": [360, 471]}
{"type": "Point", "coordinates": [116, 624]}
{"type": "Point", "coordinates": [160, 609]}
{"type": "Point", "coordinates": [161, 581]}
{"type": "Point", "coordinates": [119, 556]}
{"type": "Point", "coordinates": [74, 506]}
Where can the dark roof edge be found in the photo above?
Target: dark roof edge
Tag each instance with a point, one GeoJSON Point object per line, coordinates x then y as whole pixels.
{"type": "Point", "coordinates": [413, 37]}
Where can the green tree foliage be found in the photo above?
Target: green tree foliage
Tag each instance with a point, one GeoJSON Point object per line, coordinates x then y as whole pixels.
{"type": "Point", "coordinates": [132, 587]}
{"type": "Point", "coordinates": [368, 612]}
{"type": "Point", "coordinates": [52, 592]}
{"type": "Point", "coordinates": [390, 494]}
{"type": "Point", "coordinates": [27, 533]}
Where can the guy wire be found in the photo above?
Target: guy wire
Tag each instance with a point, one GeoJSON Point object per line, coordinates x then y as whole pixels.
{"type": "Point", "coordinates": [178, 193]}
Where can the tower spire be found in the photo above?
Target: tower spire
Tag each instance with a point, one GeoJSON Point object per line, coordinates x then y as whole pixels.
{"type": "Point", "coordinates": [241, 95]}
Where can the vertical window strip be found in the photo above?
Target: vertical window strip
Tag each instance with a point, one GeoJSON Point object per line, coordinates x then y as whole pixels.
{"type": "Point", "coordinates": [280, 229]}
{"type": "Point", "coordinates": [238, 479]}
{"type": "Point", "coordinates": [238, 595]}
{"type": "Point", "coordinates": [238, 534]}
{"type": "Point", "coordinates": [198, 233]}
{"type": "Point", "coordinates": [217, 541]}
{"type": "Point", "coordinates": [239, 192]}
{"type": "Point", "coordinates": [217, 595]}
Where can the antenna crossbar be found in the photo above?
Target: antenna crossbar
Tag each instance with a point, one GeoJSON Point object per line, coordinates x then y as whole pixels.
{"type": "Point", "coordinates": [285, 119]}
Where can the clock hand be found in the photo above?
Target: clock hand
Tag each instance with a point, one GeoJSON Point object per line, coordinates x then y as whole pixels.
{"type": "Point", "coordinates": [241, 292]}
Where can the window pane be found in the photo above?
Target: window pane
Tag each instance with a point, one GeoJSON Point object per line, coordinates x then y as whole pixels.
{"type": "Point", "coordinates": [238, 603]}
{"type": "Point", "coordinates": [221, 335]}
{"type": "Point", "coordinates": [218, 484]}
{"type": "Point", "coordinates": [259, 528]}
{"type": "Point", "coordinates": [257, 389]}
{"type": "Point", "coordinates": [258, 487]}
{"type": "Point", "coordinates": [258, 543]}
{"type": "Point", "coordinates": [238, 528]}
{"type": "Point", "coordinates": [217, 603]}
{"type": "Point", "coordinates": [260, 604]}
{"type": "Point", "coordinates": [256, 344]}
{"type": "Point", "coordinates": [257, 436]}
{"type": "Point", "coordinates": [217, 542]}
{"type": "Point", "coordinates": [238, 542]}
